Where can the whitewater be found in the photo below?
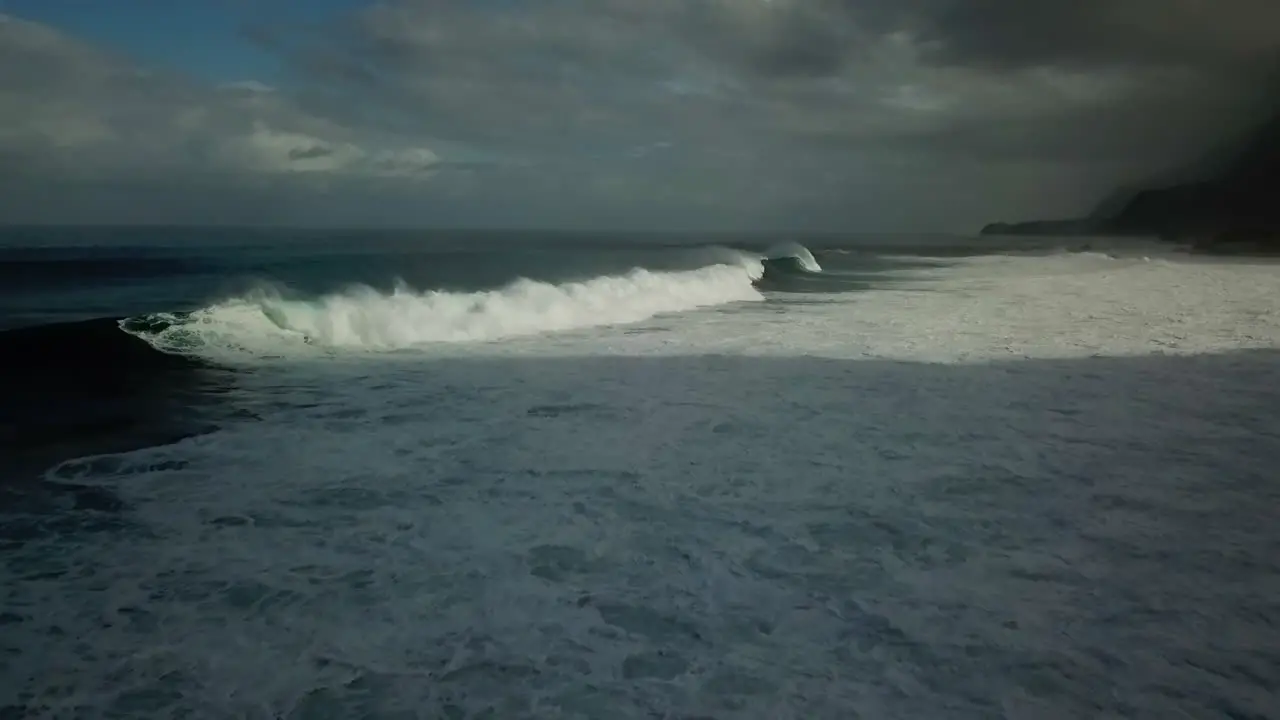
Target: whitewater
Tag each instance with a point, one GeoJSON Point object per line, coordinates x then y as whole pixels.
{"type": "Point", "coordinates": [795, 481]}
{"type": "Point", "coordinates": [361, 317]}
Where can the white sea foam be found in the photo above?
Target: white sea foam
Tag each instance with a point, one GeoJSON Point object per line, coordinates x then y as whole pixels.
{"type": "Point", "coordinates": [732, 514]}
{"type": "Point", "coordinates": [988, 308]}
{"type": "Point", "coordinates": [266, 322]}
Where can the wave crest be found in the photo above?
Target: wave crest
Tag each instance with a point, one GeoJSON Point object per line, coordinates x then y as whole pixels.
{"type": "Point", "coordinates": [797, 252]}
{"type": "Point", "coordinates": [267, 322]}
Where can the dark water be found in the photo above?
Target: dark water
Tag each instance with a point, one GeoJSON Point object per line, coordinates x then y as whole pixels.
{"type": "Point", "coordinates": [547, 524]}
{"type": "Point", "coordinates": [76, 385]}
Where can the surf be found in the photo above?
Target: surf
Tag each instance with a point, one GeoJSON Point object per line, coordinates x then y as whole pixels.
{"type": "Point", "coordinates": [792, 255]}
{"type": "Point", "coordinates": [84, 387]}
{"type": "Point", "coordinates": [789, 267]}
{"type": "Point", "coordinates": [272, 321]}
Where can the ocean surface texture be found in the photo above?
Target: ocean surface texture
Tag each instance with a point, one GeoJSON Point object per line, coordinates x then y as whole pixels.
{"type": "Point", "coordinates": [252, 473]}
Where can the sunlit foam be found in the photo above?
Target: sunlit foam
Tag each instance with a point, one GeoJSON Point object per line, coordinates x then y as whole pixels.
{"type": "Point", "coordinates": [267, 321]}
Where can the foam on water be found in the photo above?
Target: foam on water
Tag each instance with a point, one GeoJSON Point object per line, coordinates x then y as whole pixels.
{"type": "Point", "coordinates": [989, 308]}
{"type": "Point", "coordinates": [267, 322]}
{"type": "Point", "coordinates": [740, 511]}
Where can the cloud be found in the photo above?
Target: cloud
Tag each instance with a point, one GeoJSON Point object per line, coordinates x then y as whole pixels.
{"type": "Point", "coordinates": [69, 108]}
{"type": "Point", "coordinates": [1227, 34]}
{"type": "Point", "coordinates": [265, 150]}
{"type": "Point", "coordinates": [562, 73]}
{"type": "Point", "coordinates": [909, 114]}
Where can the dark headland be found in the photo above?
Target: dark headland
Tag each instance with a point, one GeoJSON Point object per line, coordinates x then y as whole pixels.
{"type": "Point", "coordinates": [1233, 209]}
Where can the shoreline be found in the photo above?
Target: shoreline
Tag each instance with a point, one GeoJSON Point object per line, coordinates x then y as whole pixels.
{"type": "Point", "coordinates": [1226, 243]}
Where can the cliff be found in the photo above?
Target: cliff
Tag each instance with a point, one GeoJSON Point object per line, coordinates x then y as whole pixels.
{"type": "Point", "coordinates": [1238, 206]}
{"type": "Point", "coordinates": [1241, 205]}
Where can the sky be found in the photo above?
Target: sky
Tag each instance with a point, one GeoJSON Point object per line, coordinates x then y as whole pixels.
{"type": "Point", "coordinates": [833, 115]}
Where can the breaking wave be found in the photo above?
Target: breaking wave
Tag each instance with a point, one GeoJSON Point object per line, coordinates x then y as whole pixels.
{"type": "Point", "coordinates": [793, 254]}
{"type": "Point", "coordinates": [268, 321]}
{"type": "Point", "coordinates": [790, 267]}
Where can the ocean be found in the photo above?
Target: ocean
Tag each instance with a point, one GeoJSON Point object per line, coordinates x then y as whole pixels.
{"type": "Point", "coordinates": [355, 474]}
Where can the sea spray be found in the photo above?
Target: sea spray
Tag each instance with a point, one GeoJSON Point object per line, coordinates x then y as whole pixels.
{"type": "Point", "coordinates": [361, 317]}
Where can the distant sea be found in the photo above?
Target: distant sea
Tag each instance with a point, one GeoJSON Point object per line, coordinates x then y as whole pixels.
{"type": "Point", "coordinates": [339, 473]}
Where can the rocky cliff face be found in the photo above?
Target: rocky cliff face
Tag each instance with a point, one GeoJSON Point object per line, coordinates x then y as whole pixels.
{"type": "Point", "coordinates": [1239, 205]}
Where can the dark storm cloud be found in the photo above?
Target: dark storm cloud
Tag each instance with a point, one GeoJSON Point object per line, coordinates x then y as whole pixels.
{"type": "Point", "coordinates": [867, 113]}
{"type": "Point", "coordinates": [1201, 71]}
{"type": "Point", "coordinates": [1091, 33]}
{"type": "Point", "coordinates": [568, 66]}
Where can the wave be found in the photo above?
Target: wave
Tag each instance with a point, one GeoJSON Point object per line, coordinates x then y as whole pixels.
{"type": "Point", "coordinates": [789, 267]}
{"type": "Point", "coordinates": [80, 351]}
{"type": "Point", "coordinates": [269, 321]}
{"type": "Point", "coordinates": [775, 268]}
{"type": "Point", "coordinates": [793, 254]}
{"type": "Point", "coordinates": [84, 387]}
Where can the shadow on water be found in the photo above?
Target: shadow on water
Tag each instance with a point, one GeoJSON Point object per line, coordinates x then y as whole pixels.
{"type": "Point", "coordinates": [1038, 538]}
{"type": "Point", "coordinates": [86, 388]}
